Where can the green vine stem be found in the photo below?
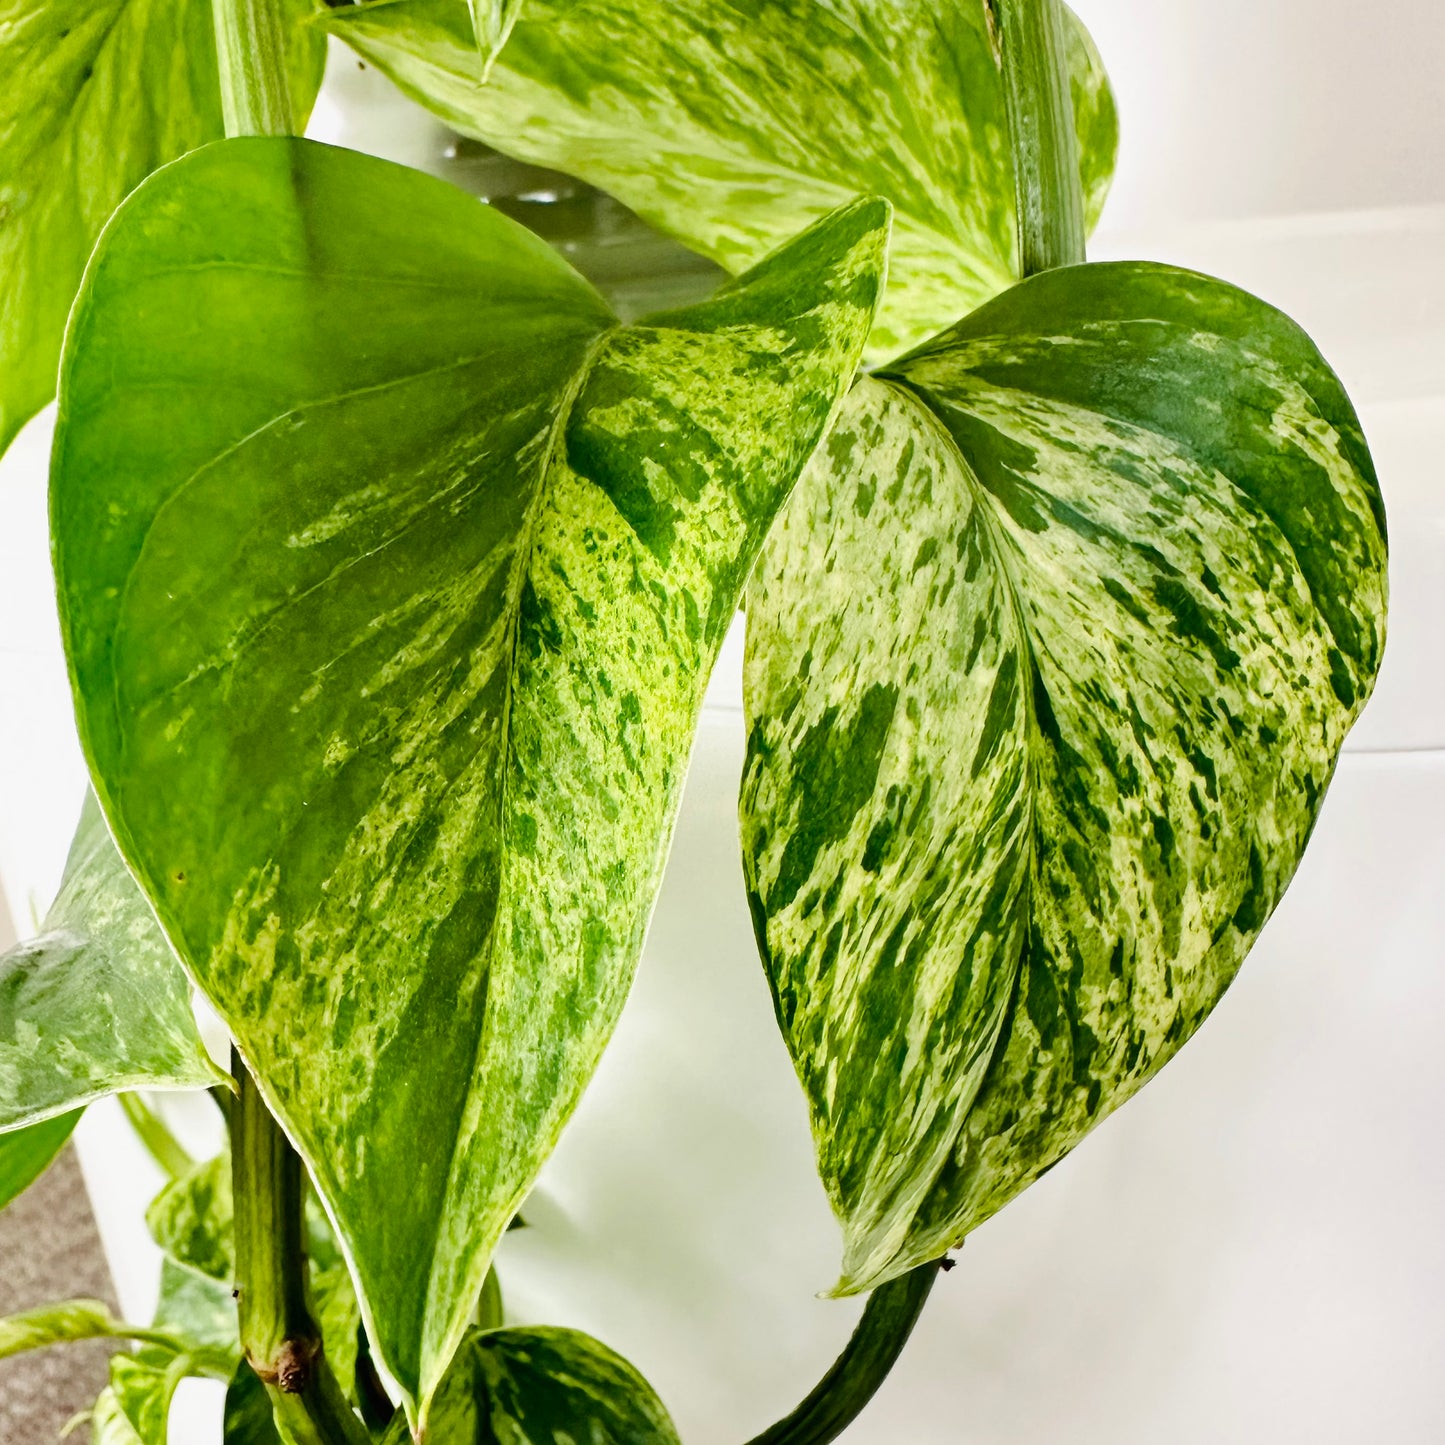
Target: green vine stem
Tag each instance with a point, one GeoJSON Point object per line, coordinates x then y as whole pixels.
{"type": "Point", "coordinates": [278, 1333]}
{"type": "Point", "coordinates": [251, 58]}
{"type": "Point", "coordinates": [839, 1397]}
{"type": "Point", "coordinates": [1049, 196]}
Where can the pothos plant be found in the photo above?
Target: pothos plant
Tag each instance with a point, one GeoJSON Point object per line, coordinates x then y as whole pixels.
{"type": "Point", "coordinates": [392, 565]}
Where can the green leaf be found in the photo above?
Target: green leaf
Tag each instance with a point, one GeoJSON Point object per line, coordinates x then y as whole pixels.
{"type": "Point", "coordinates": [109, 1424]}
{"type": "Point", "coordinates": [338, 1316]}
{"type": "Point", "coordinates": [545, 1386]}
{"type": "Point", "coordinates": [249, 1419]}
{"type": "Point", "coordinates": [97, 1003]}
{"type": "Point", "coordinates": [191, 1218]}
{"type": "Point", "coordinates": [79, 1319]}
{"type": "Point", "coordinates": [189, 1337]}
{"type": "Point", "coordinates": [99, 93]}
{"type": "Point", "coordinates": [1049, 664]}
{"type": "Point", "coordinates": [201, 1311]}
{"type": "Point", "coordinates": [67, 1320]}
{"type": "Point", "coordinates": [388, 656]}
{"type": "Point", "coordinates": [25, 1154]}
{"type": "Point", "coordinates": [142, 1386]}
{"type": "Point", "coordinates": [732, 126]}
{"type": "Point", "coordinates": [194, 1333]}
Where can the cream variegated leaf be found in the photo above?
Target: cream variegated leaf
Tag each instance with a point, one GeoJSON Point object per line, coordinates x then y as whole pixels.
{"type": "Point", "coordinates": [54, 1324]}
{"type": "Point", "coordinates": [1049, 663]}
{"type": "Point", "coordinates": [388, 658]}
{"type": "Point", "coordinates": [97, 1002]}
{"type": "Point", "coordinates": [109, 1423]}
{"type": "Point", "coordinates": [545, 1386]}
{"type": "Point", "coordinates": [732, 126]}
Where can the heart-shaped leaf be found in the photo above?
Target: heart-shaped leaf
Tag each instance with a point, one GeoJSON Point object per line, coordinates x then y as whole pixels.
{"type": "Point", "coordinates": [97, 95]}
{"type": "Point", "coordinates": [97, 1002]}
{"type": "Point", "coordinates": [388, 657]}
{"type": "Point", "coordinates": [543, 1386]}
{"type": "Point", "coordinates": [733, 126]}
{"type": "Point", "coordinates": [193, 1219]}
{"type": "Point", "coordinates": [1049, 663]}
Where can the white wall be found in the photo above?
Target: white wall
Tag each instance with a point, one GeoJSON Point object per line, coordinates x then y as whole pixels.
{"type": "Point", "coordinates": [1256, 107]}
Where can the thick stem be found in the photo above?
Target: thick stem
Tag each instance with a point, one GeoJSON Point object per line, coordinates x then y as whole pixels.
{"type": "Point", "coordinates": [1050, 199]}
{"type": "Point", "coordinates": [251, 57]}
{"type": "Point", "coordinates": [839, 1397]}
{"type": "Point", "coordinates": [278, 1333]}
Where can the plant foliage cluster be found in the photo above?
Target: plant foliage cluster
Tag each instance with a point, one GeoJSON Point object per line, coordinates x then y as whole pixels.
{"type": "Point", "coordinates": [392, 566]}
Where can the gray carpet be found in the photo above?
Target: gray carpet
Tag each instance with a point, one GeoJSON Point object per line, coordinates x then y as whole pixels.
{"type": "Point", "coordinates": [49, 1250]}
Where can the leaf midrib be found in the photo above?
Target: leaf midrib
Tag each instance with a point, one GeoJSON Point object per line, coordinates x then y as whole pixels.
{"type": "Point", "coordinates": [555, 451]}
{"type": "Point", "coordinates": [984, 508]}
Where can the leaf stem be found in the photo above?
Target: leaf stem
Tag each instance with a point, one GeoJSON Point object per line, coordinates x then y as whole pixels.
{"type": "Point", "coordinates": [839, 1397]}
{"type": "Point", "coordinates": [251, 58]}
{"type": "Point", "coordinates": [160, 1143]}
{"type": "Point", "coordinates": [1049, 196]}
{"type": "Point", "coordinates": [278, 1333]}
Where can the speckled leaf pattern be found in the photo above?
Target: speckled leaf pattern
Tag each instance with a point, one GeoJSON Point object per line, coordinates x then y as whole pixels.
{"type": "Point", "coordinates": [109, 1424]}
{"type": "Point", "coordinates": [732, 124]}
{"type": "Point", "coordinates": [545, 1386]}
{"type": "Point", "coordinates": [25, 1154]}
{"type": "Point", "coordinates": [191, 1219]}
{"type": "Point", "coordinates": [97, 1003]}
{"type": "Point", "coordinates": [142, 1386]}
{"type": "Point", "coordinates": [1049, 663]}
{"type": "Point", "coordinates": [388, 658]}
{"type": "Point", "coordinates": [111, 90]}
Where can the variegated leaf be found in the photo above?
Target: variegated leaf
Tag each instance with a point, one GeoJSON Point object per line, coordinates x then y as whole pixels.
{"type": "Point", "coordinates": [67, 1320]}
{"type": "Point", "coordinates": [732, 126]}
{"type": "Point", "coordinates": [142, 1386]}
{"type": "Point", "coordinates": [109, 1423]}
{"type": "Point", "coordinates": [389, 656]}
{"type": "Point", "coordinates": [97, 1002]}
{"type": "Point", "coordinates": [193, 1217]}
{"type": "Point", "coordinates": [96, 95]}
{"type": "Point", "coordinates": [545, 1386]}
{"type": "Point", "coordinates": [1049, 663]}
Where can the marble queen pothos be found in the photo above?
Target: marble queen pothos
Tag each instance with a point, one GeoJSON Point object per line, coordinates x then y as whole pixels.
{"type": "Point", "coordinates": [1049, 663]}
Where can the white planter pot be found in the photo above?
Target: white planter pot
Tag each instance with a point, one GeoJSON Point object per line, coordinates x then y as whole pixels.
{"type": "Point", "coordinates": [1249, 1252]}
